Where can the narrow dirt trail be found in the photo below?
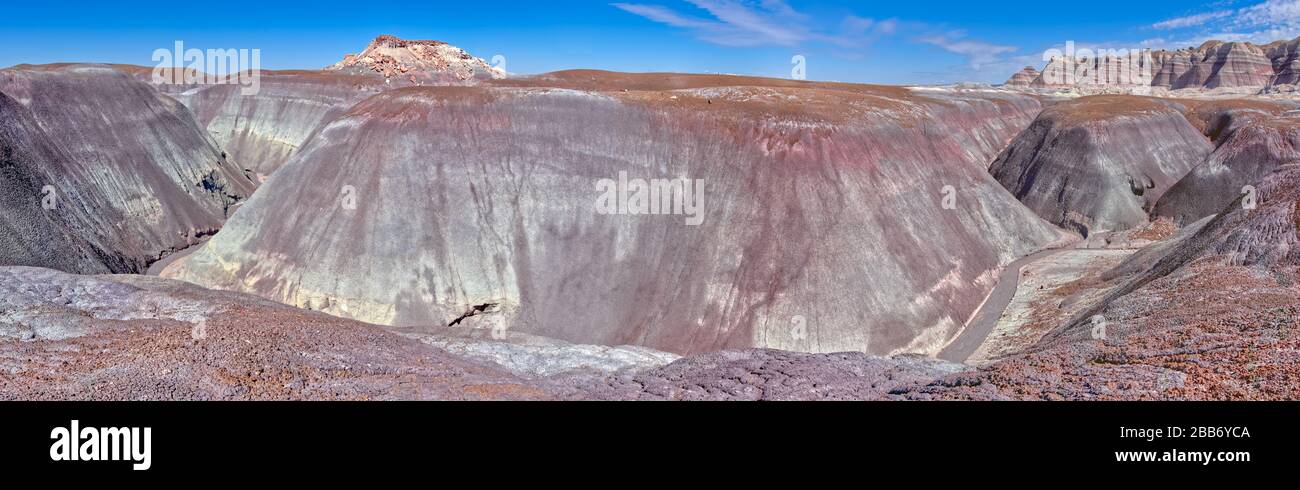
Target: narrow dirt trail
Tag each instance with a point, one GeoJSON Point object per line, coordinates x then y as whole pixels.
{"type": "Point", "coordinates": [995, 306]}
{"type": "Point", "coordinates": [156, 268]}
{"type": "Point", "coordinates": [983, 322]}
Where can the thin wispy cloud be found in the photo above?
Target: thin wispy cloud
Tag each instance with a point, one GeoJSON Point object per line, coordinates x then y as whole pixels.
{"type": "Point", "coordinates": [754, 23]}
{"type": "Point", "coordinates": [861, 31]}
{"type": "Point", "coordinates": [1261, 22]}
{"type": "Point", "coordinates": [667, 16]}
{"type": "Point", "coordinates": [1192, 20]}
{"type": "Point", "coordinates": [739, 23]}
{"type": "Point", "coordinates": [977, 53]}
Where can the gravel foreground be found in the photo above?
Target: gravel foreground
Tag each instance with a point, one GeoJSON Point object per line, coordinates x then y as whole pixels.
{"type": "Point", "coordinates": [69, 337]}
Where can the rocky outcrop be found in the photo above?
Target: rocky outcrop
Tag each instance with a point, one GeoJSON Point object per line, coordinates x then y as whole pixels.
{"type": "Point", "coordinates": [1023, 78]}
{"type": "Point", "coordinates": [822, 224]}
{"type": "Point", "coordinates": [135, 174]}
{"type": "Point", "coordinates": [1101, 162]}
{"type": "Point", "coordinates": [417, 62]}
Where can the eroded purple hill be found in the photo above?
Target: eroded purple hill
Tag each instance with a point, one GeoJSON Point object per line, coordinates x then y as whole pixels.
{"type": "Point", "coordinates": [129, 167]}
{"type": "Point", "coordinates": [34, 230]}
{"type": "Point", "coordinates": [260, 131]}
{"type": "Point", "coordinates": [824, 226]}
{"type": "Point", "coordinates": [1102, 162]}
{"type": "Point", "coordinates": [1252, 141]}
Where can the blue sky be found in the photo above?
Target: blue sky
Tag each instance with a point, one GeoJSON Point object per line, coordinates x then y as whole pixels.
{"type": "Point", "coordinates": [896, 42]}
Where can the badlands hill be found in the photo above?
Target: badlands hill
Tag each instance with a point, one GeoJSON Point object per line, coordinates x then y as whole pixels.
{"type": "Point", "coordinates": [32, 234]}
{"type": "Point", "coordinates": [1251, 142]}
{"type": "Point", "coordinates": [1214, 66]}
{"type": "Point", "coordinates": [1100, 162]}
{"type": "Point", "coordinates": [822, 209]}
{"type": "Point", "coordinates": [1117, 162]}
{"type": "Point", "coordinates": [261, 131]}
{"type": "Point", "coordinates": [134, 177]}
{"type": "Point", "coordinates": [1023, 78]}
{"type": "Point", "coordinates": [426, 235]}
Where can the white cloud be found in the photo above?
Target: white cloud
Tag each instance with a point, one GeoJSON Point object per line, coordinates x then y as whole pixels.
{"type": "Point", "coordinates": [733, 23]}
{"type": "Point", "coordinates": [977, 53]}
{"type": "Point", "coordinates": [772, 21]}
{"type": "Point", "coordinates": [1192, 20]}
{"type": "Point", "coordinates": [750, 23]}
{"type": "Point", "coordinates": [741, 23]}
{"type": "Point", "coordinates": [666, 16]}
{"type": "Point", "coordinates": [1272, 12]}
{"type": "Point", "coordinates": [1268, 21]}
{"type": "Point", "coordinates": [1262, 22]}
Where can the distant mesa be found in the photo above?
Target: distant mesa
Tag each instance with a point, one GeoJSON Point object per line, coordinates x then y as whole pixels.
{"type": "Point", "coordinates": [1231, 67]}
{"type": "Point", "coordinates": [418, 62]}
{"type": "Point", "coordinates": [1024, 78]}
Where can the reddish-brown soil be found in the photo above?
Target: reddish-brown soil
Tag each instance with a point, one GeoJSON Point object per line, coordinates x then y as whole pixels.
{"type": "Point", "coordinates": [247, 349]}
{"type": "Point", "coordinates": [1169, 340]}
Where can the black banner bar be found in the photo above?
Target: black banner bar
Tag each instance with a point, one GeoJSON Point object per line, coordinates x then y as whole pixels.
{"type": "Point", "coordinates": [295, 438]}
